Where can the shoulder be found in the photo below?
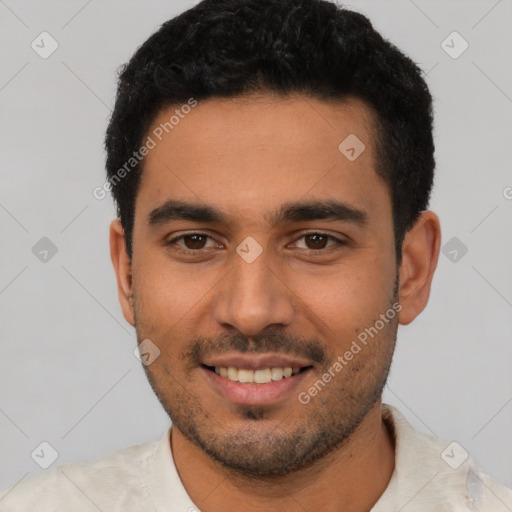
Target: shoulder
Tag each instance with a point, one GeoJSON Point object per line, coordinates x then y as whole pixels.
{"type": "Point", "coordinates": [432, 474]}
{"type": "Point", "coordinates": [101, 482]}
{"type": "Point", "coordinates": [492, 496]}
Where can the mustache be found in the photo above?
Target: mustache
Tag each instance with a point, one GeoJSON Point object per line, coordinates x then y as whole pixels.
{"type": "Point", "coordinates": [272, 341]}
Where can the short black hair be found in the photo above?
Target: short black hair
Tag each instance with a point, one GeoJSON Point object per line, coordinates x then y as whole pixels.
{"type": "Point", "coordinates": [229, 48]}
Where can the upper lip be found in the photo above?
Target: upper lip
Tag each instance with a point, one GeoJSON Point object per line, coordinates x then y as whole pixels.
{"type": "Point", "coordinates": [256, 361]}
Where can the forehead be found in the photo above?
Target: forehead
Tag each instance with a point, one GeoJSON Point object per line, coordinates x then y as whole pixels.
{"type": "Point", "coordinates": [251, 154]}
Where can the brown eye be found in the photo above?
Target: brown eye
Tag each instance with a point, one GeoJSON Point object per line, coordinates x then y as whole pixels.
{"type": "Point", "coordinates": [194, 241]}
{"type": "Point", "coordinates": [191, 244]}
{"type": "Point", "coordinates": [316, 241]}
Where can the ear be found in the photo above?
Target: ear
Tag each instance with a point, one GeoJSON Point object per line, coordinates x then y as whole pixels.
{"type": "Point", "coordinates": [123, 269]}
{"type": "Point", "coordinates": [420, 252]}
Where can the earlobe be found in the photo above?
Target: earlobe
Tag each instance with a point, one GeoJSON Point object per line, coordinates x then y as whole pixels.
{"type": "Point", "coordinates": [420, 253]}
{"type": "Point", "coordinates": [123, 269]}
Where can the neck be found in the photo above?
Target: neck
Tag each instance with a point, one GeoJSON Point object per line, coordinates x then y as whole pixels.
{"type": "Point", "coordinates": [351, 478]}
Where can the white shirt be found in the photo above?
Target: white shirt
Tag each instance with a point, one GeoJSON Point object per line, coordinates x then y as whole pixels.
{"type": "Point", "coordinates": [143, 478]}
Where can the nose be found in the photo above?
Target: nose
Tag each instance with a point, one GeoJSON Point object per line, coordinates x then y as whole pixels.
{"type": "Point", "coordinates": [253, 296]}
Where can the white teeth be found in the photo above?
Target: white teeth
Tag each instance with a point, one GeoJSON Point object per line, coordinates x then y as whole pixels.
{"type": "Point", "coordinates": [245, 376]}
{"type": "Point", "coordinates": [277, 373]}
{"type": "Point", "coordinates": [263, 376]}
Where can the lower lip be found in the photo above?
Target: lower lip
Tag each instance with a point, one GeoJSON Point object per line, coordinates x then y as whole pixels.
{"type": "Point", "coordinates": [255, 394]}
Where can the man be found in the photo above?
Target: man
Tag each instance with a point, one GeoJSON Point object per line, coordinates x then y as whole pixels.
{"type": "Point", "coordinates": [272, 162]}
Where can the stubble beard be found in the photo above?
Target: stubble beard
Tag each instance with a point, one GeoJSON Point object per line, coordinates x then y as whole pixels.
{"type": "Point", "coordinates": [263, 449]}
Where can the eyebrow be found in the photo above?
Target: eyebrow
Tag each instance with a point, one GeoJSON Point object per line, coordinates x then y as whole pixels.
{"type": "Point", "coordinates": [334, 210]}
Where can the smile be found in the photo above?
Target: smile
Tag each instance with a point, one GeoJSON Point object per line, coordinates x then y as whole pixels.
{"type": "Point", "coordinates": [255, 379]}
{"type": "Point", "coordinates": [261, 376]}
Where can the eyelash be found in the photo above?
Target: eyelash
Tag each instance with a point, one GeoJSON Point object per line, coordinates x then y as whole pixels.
{"type": "Point", "coordinates": [199, 251]}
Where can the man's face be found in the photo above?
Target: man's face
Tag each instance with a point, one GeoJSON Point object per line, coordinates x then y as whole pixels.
{"type": "Point", "coordinates": [212, 300]}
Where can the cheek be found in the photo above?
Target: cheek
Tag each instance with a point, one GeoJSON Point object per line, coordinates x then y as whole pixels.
{"type": "Point", "coordinates": [166, 287]}
{"type": "Point", "coordinates": [347, 299]}
{"type": "Point", "coordinates": [172, 300]}
{"type": "Point", "coordinates": [163, 296]}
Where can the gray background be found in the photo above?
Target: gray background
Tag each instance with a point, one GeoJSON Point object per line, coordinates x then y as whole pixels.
{"type": "Point", "coordinates": [68, 375]}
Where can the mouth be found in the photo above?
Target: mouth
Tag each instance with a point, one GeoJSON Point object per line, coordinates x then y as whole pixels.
{"type": "Point", "coordinates": [255, 379]}
{"type": "Point", "coordinates": [260, 376]}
